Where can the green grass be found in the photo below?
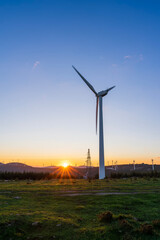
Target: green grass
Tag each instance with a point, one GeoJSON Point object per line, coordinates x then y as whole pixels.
{"type": "Point", "coordinates": [41, 210]}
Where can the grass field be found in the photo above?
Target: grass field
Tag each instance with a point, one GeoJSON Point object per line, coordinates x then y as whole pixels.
{"type": "Point", "coordinates": [78, 209]}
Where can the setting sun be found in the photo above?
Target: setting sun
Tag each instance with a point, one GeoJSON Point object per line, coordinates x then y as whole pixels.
{"type": "Point", "coordinates": [65, 165]}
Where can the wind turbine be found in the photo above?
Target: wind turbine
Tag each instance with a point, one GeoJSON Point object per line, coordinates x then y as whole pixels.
{"type": "Point", "coordinates": [99, 97]}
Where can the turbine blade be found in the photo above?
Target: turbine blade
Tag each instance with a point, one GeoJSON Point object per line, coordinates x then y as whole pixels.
{"type": "Point", "coordinates": [88, 84]}
{"type": "Point", "coordinates": [97, 113]}
{"type": "Point", "coordinates": [109, 89]}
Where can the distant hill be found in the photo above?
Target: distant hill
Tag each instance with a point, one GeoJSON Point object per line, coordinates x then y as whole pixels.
{"type": "Point", "coordinates": [21, 167]}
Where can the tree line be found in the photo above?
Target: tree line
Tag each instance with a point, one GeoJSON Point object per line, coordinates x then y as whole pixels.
{"type": "Point", "coordinates": [32, 176]}
{"type": "Point", "coordinates": [152, 174]}
{"type": "Point", "coordinates": [48, 176]}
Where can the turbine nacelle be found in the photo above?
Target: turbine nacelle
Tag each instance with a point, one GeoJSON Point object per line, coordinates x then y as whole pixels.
{"type": "Point", "coordinates": [105, 92]}
{"type": "Point", "coordinates": [102, 93]}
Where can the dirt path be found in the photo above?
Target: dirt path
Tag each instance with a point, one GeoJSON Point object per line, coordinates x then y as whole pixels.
{"type": "Point", "coordinates": [102, 193]}
{"type": "Point", "coordinates": [72, 193]}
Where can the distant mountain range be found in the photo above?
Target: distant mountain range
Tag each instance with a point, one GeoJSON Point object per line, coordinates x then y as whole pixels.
{"type": "Point", "coordinates": [81, 170]}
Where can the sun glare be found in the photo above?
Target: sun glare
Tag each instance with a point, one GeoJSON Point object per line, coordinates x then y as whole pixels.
{"type": "Point", "coordinates": [65, 165]}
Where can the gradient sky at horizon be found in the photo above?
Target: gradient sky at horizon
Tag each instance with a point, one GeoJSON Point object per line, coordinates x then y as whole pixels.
{"type": "Point", "coordinates": [47, 112]}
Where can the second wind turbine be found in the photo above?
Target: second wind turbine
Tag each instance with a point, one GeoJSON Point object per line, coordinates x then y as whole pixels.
{"type": "Point", "coordinates": [99, 97]}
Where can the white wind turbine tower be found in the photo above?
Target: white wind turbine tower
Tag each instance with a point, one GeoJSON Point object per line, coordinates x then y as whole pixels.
{"type": "Point", "coordinates": [152, 165]}
{"type": "Point", "coordinates": [134, 167]}
{"type": "Point", "coordinates": [99, 97]}
{"type": "Point", "coordinates": [116, 165]}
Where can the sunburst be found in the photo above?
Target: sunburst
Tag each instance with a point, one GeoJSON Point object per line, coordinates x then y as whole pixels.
{"type": "Point", "coordinates": [65, 164]}
{"type": "Point", "coordinates": [67, 172]}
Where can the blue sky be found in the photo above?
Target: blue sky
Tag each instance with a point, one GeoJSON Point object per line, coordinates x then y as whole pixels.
{"type": "Point", "coordinates": [47, 112]}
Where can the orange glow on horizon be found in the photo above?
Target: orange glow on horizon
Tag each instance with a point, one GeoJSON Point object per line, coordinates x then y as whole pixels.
{"type": "Point", "coordinates": [39, 161]}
